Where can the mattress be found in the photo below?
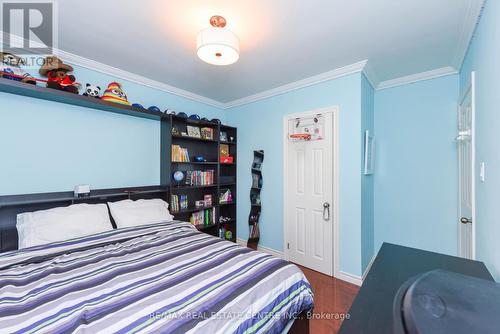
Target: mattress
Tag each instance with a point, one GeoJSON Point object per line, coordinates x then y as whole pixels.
{"type": "Point", "coordinates": [161, 278]}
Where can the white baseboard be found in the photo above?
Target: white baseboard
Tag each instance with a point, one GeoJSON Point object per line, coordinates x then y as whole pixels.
{"type": "Point", "coordinates": [355, 279]}
{"type": "Point", "coordinates": [263, 249]}
{"type": "Point", "coordinates": [241, 242]}
{"type": "Point", "coordinates": [350, 278]}
{"type": "Point", "coordinates": [368, 267]}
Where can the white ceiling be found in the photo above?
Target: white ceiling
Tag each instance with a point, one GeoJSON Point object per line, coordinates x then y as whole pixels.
{"type": "Point", "coordinates": [281, 41]}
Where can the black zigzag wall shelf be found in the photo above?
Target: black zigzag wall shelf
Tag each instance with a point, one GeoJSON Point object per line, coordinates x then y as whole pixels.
{"type": "Point", "coordinates": [255, 201]}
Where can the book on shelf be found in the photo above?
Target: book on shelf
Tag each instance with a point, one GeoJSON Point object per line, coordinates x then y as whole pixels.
{"type": "Point", "coordinates": [178, 202]}
{"type": "Point", "coordinates": [179, 154]}
{"type": "Point", "coordinates": [203, 217]}
{"type": "Point", "coordinates": [207, 133]}
{"type": "Point", "coordinates": [200, 178]}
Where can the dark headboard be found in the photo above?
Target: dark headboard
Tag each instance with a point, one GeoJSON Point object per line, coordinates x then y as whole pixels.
{"type": "Point", "coordinates": [11, 206]}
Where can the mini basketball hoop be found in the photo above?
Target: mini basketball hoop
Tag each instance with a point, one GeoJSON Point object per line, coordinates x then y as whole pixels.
{"type": "Point", "coordinates": [301, 136]}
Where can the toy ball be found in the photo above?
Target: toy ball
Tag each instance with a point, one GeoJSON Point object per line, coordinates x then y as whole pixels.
{"type": "Point", "coordinates": [195, 117]}
{"type": "Point", "coordinates": [215, 120]}
{"type": "Point", "coordinates": [204, 119]}
{"type": "Point", "coordinates": [199, 158]}
{"type": "Point", "coordinates": [137, 105]}
{"type": "Point", "coordinates": [178, 176]}
{"type": "Point", "coordinates": [169, 112]}
{"type": "Point", "coordinates": [182, 114]}
{"type": "Point", "coordinates": [154, 108]}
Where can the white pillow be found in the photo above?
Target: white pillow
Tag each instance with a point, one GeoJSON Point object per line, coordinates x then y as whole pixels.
{"type": "Point", "coordinates": [58, 224]}
{"type": "Point", "coordinates": [129, 213]}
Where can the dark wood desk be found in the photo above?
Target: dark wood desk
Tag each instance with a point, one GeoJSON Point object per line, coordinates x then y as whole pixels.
{"type": "Point", "coordinates": [371, 311]}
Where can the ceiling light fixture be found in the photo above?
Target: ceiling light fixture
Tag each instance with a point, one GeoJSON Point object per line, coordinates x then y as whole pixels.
{"type": "Point", "coordinates": [217, 45]}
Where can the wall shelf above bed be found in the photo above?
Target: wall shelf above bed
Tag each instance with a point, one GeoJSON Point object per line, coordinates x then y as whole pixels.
{"type": "Point", "coordinates": [48, 94]}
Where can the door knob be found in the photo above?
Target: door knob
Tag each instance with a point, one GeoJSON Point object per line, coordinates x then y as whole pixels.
{"type": "Point", "coordinates": [465, 220]}
{"type": "Point", "coordinates": [326, 211]}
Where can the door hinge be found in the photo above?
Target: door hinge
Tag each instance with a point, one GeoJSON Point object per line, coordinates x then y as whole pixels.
{"type": "Point", "coordinates": [288, 245]}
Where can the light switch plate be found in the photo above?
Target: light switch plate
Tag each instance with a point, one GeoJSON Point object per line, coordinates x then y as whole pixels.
{"type": "Point", "coordinates": [481, 172]}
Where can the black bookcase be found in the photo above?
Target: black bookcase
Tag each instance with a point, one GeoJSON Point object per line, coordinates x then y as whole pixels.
{"type": "Point", "coordinates": [220, 214]}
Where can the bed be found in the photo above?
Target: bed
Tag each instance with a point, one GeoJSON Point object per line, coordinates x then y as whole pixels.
{"type": "Point", "coordinates": [165, 277]}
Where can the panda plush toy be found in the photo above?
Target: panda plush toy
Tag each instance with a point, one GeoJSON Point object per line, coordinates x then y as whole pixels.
{"type": "Point", "coordinates": [92, 91]}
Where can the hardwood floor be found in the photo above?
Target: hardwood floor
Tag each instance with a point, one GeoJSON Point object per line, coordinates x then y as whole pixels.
{"type": "Point", "coordinates": [332, 299]}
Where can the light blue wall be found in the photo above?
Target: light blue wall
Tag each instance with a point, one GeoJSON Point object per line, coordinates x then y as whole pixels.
{"type": "Point", "coordinates": [416, 167]}
{"type": "Point", "coordinates": [48, 146]}
{"type": "Point", "coordinates": [260, 126]}
{"type": "Point", "coordinates": [367, 184]}
{"type": "Point", "coordinates": [483, 57]}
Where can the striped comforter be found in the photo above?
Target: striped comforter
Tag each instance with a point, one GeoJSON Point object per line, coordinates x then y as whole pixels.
{"type": "Point", "coordinates": [162, 278]}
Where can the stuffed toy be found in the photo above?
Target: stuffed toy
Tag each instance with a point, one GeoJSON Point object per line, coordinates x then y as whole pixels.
{"type": "Point", "coordinates": [92, 91]}
{"type": "Point", "coordinates": [57, 73]}
{"type": "Point", "coordinates": [114, 93]}
{"type": "Point", "coordinates": [10, 68]}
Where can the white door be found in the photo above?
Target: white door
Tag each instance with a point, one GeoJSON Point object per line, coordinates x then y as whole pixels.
{"type": "Point", "coordinates": [466, 196]}
{"type": "Point", "coordinates": [309, 186]}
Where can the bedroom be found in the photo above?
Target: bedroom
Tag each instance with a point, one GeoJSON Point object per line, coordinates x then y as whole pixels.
{"type": "Point", "coordinates": [317, 133]}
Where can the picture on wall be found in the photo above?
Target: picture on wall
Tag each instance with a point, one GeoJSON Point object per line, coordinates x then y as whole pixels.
{"type": "Point", "coordinates": [369, 153]}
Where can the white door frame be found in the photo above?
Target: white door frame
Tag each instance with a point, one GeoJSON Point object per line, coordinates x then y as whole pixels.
{"type": "Point", "coordinates": [334, 110]}
{"type": "Point", "coordinates": [471, 88]}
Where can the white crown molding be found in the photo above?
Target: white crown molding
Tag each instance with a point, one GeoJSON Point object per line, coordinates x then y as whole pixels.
{"type": "Point", "coordinates": [468, 27]}
{"type": "Point", "coordinates": [139, 79]}
{"type": "Point", "coordinates": [370, 75]}
{"type": "Point", "coordinates": [439, 72]}
{"type": "Point", "coordinates": [325, 76]}
{"type": "Point", "coordinates": [132, 77]}
{"type": "Point", "coordinates": [124, 75]}
{"type": "Point", "coordinates": [361, 66]}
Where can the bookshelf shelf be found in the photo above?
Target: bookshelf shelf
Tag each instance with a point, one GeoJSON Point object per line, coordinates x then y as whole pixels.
{"type": "Point", "coordinates": [195, 163]}
{"type": "Point", "coordinates": [173, 188]}
{"type": "Point", "coordinates": [205, 227]}
{"type": "Point", "coordinates": [194, 139]}
{"type": "Point", "coordinates": [220, 181]}
{"type": "Point", "coordinates": [193, 209]}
